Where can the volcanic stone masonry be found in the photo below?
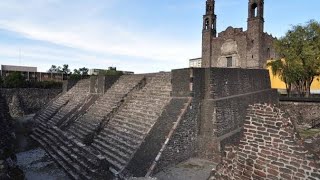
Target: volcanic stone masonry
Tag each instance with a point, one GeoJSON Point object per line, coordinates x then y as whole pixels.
{"type": "Point", "coordinates": [270, 149]}
{"type": "Point", "coordinates": [137, 125]}
{"type": "Point", "coordinates": [23, 101]}
{"type": "Point", "coordinates": [7, 137]}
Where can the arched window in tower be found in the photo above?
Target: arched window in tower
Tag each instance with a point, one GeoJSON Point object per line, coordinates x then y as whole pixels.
{"type": "Point", "coordinates": [269, 53]}
{"type": "Point", "coordinates": [254, 10]}
{"type": "Point", "coordinates": [207, 24]}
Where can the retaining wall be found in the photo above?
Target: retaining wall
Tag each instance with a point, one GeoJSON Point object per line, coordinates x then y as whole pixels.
{"type": "Point", "coordinates": [269, 149]}
{"type": "Point", "coordinates": [27, 101]}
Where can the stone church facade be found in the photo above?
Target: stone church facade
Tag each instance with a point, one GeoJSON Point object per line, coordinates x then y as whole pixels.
{"type": "Point", "coordinates": [235, 48]}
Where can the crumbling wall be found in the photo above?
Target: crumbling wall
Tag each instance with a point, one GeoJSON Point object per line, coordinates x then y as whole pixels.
{"type": "Point", "coordinates": [6, 139]}
{"type": "Point", "coordinates": [28, 100]}
{"type": "Point", "coordinates": [303, 113]}
{"type": "Point", "coordinates": [269, 149]}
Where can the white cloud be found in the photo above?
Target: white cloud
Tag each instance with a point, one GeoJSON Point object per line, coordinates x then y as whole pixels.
{"type": "Point", "coordinates": [92, 33]}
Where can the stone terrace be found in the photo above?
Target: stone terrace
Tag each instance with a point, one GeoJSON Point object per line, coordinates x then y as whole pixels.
{"type": "Point", "coordinates": [121, 118]}
{"type": "Point", "coordinates": [105, 106]}
{"type": "Point", "coordinates": [79, 97]}
{"type": "Point", "coordinates": [55, 105]}
{"type": "Point", "coordinates": [270, 149]}
{"type": "Point", "coordinates": [124, 133]}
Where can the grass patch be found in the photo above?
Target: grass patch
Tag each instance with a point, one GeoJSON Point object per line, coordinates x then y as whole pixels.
{"type": "Point", "coordinates": [308, 133]}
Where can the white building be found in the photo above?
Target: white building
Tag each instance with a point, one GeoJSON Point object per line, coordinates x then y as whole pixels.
{"type": "Point", "coordinates": [195, 63]}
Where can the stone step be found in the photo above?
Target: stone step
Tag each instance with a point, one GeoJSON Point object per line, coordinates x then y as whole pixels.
{"type": "Point", "coordinates": [116, 163]}
{"type": "Point", "coordinates": [149, 107]}
{"type": "Point", "coordinates": [132, 124]}
{"type": "Point", "coordinates": [85, 158]}
{"type": "Point", "coordinates": [117, 143]}
{"type": "Point", "coordinates": [142, 96]}
{"type": "Point", "coordinates": [114, 148]}
{"type": "Point", "coordinates": [86, 125]}
{"type": "Point", "coordinates": [62, 158]}
{"type": "Point", "coordinates": [78, 132]}
{"type": "Point", "coordinates": [147, 121]}
{"type": "Point", "coordinates": [140, 111]}
{"type": "Point", "coordinates": [73, 174]}
{"type": "Point", "coordinates": [75, 147]}
{"type": "Point", "coordinates": [129, 139]}
{"type": "Point", "coordinates": [127, 128]}
{"type": "Point", "coordinates": [123, 141]}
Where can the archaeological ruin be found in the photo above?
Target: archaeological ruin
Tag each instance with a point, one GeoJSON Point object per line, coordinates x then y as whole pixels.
{"type": "Point", "coordinates": [120, 127]}
{"type": "Point", "coordinates": [137, 125]}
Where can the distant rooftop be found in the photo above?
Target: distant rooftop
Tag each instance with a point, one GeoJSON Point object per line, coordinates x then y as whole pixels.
{"type": "Point", "coordinates": [18, 68]}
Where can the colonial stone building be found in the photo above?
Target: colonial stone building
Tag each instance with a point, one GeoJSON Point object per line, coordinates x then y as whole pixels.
{"type": "Point", "coordinates": [234, 47]}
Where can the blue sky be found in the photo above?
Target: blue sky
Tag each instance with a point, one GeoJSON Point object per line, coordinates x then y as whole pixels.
{"type": "Point", "coordinates": [140, 35]}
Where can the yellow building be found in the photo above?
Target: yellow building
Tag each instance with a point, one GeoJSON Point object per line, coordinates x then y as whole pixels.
{"type": "Point", "coordinates": [276, 83]}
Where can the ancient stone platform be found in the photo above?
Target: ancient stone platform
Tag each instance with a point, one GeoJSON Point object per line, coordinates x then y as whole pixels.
{"type": "Point", "coordinates": [137, 125]}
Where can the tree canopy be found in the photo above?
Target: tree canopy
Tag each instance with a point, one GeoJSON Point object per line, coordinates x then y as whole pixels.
{"type": "Point", "coordinates": [58, 69]}
{"type": "Point", "coordinates": [299, 57]}
{"type": "Point", "coordinates": [79, 73]}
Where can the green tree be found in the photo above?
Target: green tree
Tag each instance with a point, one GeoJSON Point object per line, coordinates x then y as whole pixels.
{"type": "Point", "coordinates": [79, 73]}
{"type": "Point", "coordinates": [14, 80]}
{"type": "Point", "coordinates": [299, 61]}
{"type": "Point", "coordinates": [65, 69]}
{"type": "Point", "coordinates": [58, 69]}
{"type": "Point", "coordinates": [55, 69]}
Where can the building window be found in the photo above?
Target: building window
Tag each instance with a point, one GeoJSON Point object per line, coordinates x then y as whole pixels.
{"type": "Point", "coordinates": [229, 61]}
{"type": "Point", "coordinates": [207, 24]}
{"type": "Point", "coordinates": [268, 53]}
{"type": "Point", "coordinates": [254, 10]}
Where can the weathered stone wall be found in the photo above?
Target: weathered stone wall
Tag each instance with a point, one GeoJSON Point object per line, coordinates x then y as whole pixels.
{"type": "Point", "coordinates": [303, 113]}
{"type": "Point", "coordinates": [228, 94]}
{"type": "Point", "coordinates": [269, 149]}
{"type": "Point", "coordinates": [183, 143]}
{"type": "Point", "coordinates": [68, 84]}
{"type": "Point", "coordinates": [27, 101]}
{"type": "Point", "coordinates": [6, 136]}
{"type": "Point", "coordinates": [149, 149]}
{"type": "Point", "coordinates": [181, 83]}
{"type": "Point", "coordinates": [227, 82]}
{"type": "Point", "coordinates": [5, 125]}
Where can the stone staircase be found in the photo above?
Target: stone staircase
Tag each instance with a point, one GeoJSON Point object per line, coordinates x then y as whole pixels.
{"type": "Point", "coordinates": [78, 161]}
{"type": "Point", "coordinates": [79, 97]}
{"type": "Point", "coordinates": [54, 107]}
{"type": "Point", "coordinates": [124, 133]}
{"type": "Point", "coordinates": [98, 113]}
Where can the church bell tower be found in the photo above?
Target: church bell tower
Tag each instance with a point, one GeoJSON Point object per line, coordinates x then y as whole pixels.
{"type": "Point", "coordinates": [209, 31]}
{"type": "Point", "coordinates": [255, 33]}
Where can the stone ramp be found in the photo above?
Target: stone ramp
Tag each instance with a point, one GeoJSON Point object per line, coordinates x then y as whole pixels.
{"type": "Point", "coordinates": [95, 116]}
{"type": "Point", "coordinates": [55, 106]}
{"type": "Point", "coordinates": [125, 132]}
